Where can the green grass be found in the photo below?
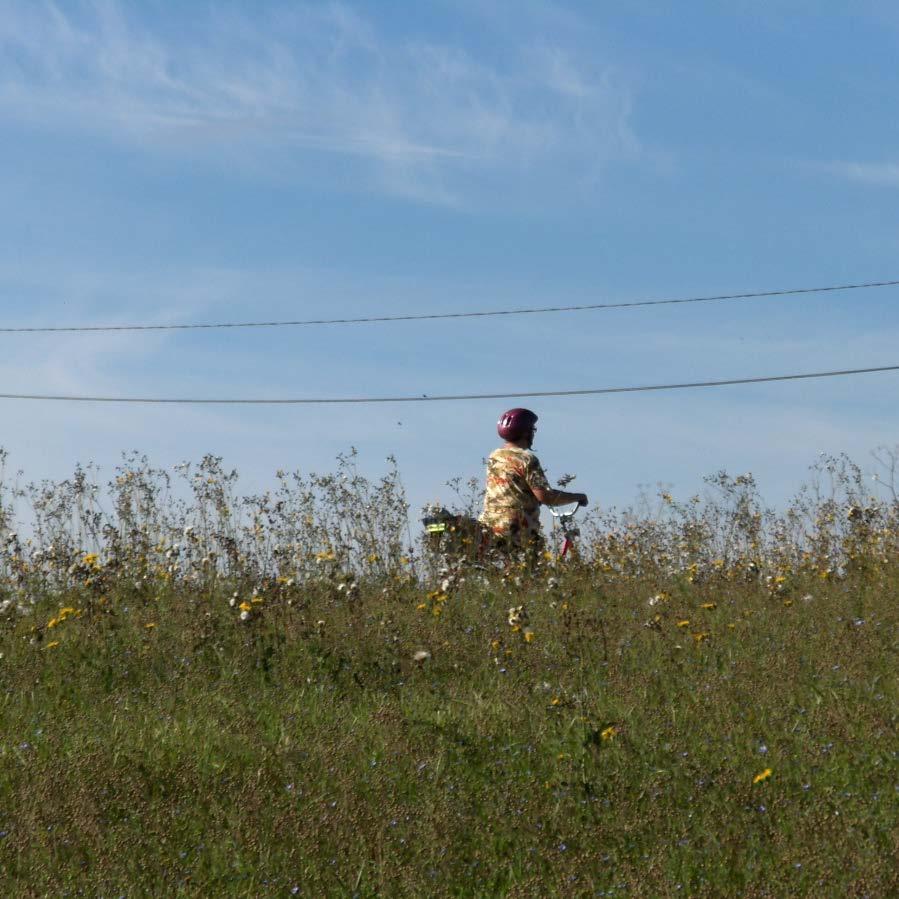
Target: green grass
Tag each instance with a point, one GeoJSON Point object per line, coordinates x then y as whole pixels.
{"type": "Point", "coordinates": [208, 757]}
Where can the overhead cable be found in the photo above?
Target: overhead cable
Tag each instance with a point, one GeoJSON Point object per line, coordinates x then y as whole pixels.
{"type": "Point", "coordinates": [426, 398]}
{"type": "Point", "coordinates": [432, 316]}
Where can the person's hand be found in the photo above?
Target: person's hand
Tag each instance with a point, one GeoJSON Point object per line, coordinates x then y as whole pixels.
{"type": "Point", "coordinates": [581, 499]}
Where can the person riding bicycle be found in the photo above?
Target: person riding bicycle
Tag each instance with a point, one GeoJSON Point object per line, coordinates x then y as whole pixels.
{"type": "Point", "coordinates": [517, 487]}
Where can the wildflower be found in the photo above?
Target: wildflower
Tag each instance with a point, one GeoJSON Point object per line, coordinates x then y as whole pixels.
{"type": "Point", "coordinates": [763, 776]}
{"type": "Point", "coordinates": [255, 599]}
{"type": "Point", "coordinates": [421, 656]}
{"type": "Point", "coordinates": [150, 625]}
{"type": "Point", "coordinates": [518, 616]}
{"type": "Point", "coordinates": [788, 602]}
{"type": "Point", "coordinates": [421, 606]}
{"type": "Point", "coordinates": [245, 615]}
{"type": "Point", "coordinates": [684, 622]}
{"type": "Point", "coordinates": [709, 605]}
{"type": "Point", "coordinates": [245, 607]}
{"type": "Point", "coordinates": [609, 733]}
{"type": "Point", "coordinates": [700, 636]}
{"type": "Point", "coordinates": [555, 701]}
{"type": "Point", "coordinates": [494, 645]}
{"type": "Point", "coordinates": [528, 636]}
{"type": "Point", "coordinates": [776, 583]}
{"type": "Point", "coordinates": [53, 644]}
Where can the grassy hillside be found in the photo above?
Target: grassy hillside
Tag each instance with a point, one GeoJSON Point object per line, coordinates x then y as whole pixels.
{"type": "Point", "coordinates": [154, 743]}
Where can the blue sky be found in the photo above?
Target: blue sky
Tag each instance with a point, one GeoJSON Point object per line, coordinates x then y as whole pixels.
{"type": "Point", "coordinates": [172, 163]}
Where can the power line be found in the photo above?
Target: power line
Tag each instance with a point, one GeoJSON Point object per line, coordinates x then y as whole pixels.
{"type": "Point", "coordinates": [425, 398]}
{"type": "Point", "coordinates": [447, 315]}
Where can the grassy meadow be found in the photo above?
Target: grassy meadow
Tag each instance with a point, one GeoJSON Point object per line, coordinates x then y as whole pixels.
{"type": "Point", "coordinates": [221, 696]}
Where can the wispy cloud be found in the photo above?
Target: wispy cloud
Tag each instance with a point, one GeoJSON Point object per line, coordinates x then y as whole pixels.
{"type": "Point", "coordinates": [423, 115]}
{"type": "Point", "coordinates": [883, 174]}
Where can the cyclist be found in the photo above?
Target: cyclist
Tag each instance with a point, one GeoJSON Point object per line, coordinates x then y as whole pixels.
{"type": "Point", "coordinates": [517, 487]}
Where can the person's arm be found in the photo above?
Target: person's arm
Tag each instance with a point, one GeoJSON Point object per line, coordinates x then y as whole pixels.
{"type": "Point", "coordinates": [551, 497]}
{"type": "Point", "coordinates": [546, 495]}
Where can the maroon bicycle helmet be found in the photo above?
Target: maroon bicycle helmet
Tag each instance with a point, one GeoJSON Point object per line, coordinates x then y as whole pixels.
{"type": "Point", "coordinates": [515, 424]}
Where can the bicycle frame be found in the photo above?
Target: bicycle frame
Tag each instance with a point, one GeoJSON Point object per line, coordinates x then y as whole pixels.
{"type": "Point", "coordinates": [569, 528]}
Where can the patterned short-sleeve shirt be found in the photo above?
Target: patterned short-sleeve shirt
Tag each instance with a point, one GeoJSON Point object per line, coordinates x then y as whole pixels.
{"type": "Point", "coordinates": [509, 502]}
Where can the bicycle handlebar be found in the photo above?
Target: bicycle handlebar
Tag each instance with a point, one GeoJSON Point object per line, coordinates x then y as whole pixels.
{"type": "Point", "coordinates": [570, 513]}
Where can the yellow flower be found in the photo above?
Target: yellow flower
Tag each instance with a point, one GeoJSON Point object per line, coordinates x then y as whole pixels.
{"type": "Point", "coordinates": [609, 733]}
{"type": "Point", "coordinates": [528, 636]}
{"type": "Point", "coordinates": [374, 558]}
{"type": "Point", "coordinates": [245, 606]}
{"type": "Point", "coordinates": [421, 606]}
{"type": "Point", "coordinates": [699, 637]}
{"type": "Point", "coordinates": [684, 622]}
{"type": "Point", "coordinates": [788, 602]}
{"type": "Point", "coordinates": [763, 776]}
{"type": "Point", "coordinates": [256, 599]}
{"type": "Point", "coordinates": [52, 644]}
{"type": "Point", "coordinates": [52, 623]}
{"type": "Point", "coordinates": [150, 624]}
{"type": "Point", "coordinates": [555, 701]}
{"type": "Point", "coordinates": [494, 645]}
{"type": "Point", "coordinates": [709, 605]}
